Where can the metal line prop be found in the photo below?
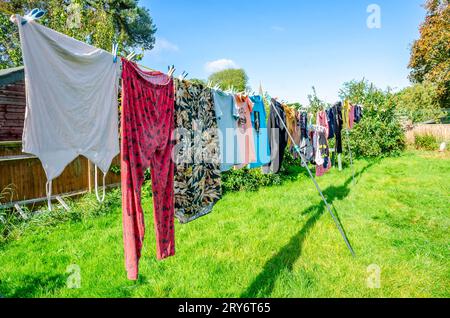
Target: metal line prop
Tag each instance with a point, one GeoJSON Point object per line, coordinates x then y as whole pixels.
{"type": "Point", "coordinates": [305, 164]}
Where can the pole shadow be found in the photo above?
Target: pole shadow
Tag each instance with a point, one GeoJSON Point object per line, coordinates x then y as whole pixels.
{"type": "Point", "coordinates": [263, 285]}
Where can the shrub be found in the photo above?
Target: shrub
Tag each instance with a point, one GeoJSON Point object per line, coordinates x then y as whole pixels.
{"type": "Point", "coordinates": [247, 180]}
{"type": "Point", "coordinates": [426, 142]}
{"type": "Point", "coordinates": [379, 134]}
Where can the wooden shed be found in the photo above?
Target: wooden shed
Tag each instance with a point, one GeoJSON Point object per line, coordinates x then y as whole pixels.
{"type": "Point", "coordinates": [22, 178]}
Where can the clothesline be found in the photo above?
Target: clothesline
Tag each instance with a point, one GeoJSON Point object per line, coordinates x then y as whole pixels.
{"type": "Point", "coordinates": [186, 172]}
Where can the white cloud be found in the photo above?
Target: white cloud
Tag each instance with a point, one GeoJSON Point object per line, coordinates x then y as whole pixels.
{"type": "Point", "coordinates": [163, 45]}
{"type": "Point", "coordinates": [278, 28]}
{"type": "Point", "coordinates": [220, 65]}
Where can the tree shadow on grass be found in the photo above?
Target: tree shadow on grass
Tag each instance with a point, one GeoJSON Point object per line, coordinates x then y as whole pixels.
{"type": "Point", "coordinates": [264, 283]}
{"type": "Point", "coordinates": [33, 286]}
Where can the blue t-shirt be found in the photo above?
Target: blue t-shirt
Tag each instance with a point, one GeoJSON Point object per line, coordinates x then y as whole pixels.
{"type": "Point", "coordinates": [260, 133]}
{"type": "Point", "coordinates": [226, 114]}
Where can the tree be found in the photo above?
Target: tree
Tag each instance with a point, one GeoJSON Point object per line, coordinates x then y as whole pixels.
{"type": "Point", "coordinates": [419, 102]}
{"type": "Point", "coordinates": [97, 22]}
{"type": "Point", "coordinates": [231, 77]}
{"type": "Point", "coordinates": [365, 93]}
{"type": "Point", "coordinates": [198, 81]}
{"type": "Point", "coordinates": [430, 54]}
{"type": "Point", "coordinates": [315, 103]}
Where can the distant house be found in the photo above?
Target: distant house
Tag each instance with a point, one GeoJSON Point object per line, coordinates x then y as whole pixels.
{"type": "Point", "coordinates": [12, 103]}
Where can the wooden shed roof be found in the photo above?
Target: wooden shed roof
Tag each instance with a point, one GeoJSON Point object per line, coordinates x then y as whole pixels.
{"type": "Point", "coordinates": [11, 75]}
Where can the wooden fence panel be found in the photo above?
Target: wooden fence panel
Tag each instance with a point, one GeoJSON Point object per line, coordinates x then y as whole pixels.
{"type": "Point", "coordinates": [441, 132]}
{"type": "Point", "coordinates": [23, 178]}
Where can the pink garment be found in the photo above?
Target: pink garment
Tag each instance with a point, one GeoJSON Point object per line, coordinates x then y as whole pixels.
{"type": "Point", "coordinates": [147, 128]}
{"type": "Point", "coordinates": [351, 117]}
{"type": "Point", "coordinates": [244, 131]}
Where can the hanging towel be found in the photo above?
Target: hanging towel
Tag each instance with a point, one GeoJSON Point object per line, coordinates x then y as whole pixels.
{"type": "Point", "coordinates": [197, 156]}
{"type": "Point", "coordinates": [72, 92]}
{"type": "Point", "coordinates": [147, 128]}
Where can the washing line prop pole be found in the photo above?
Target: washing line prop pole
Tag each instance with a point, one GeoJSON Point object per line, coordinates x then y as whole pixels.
{"type": "Point", "coordinates": [351, 156]}
{"type": "Point", "coordinates": [305, 164]}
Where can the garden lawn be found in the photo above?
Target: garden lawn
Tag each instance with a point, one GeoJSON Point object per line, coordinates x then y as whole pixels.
{"type": "Point", "coordinates": [277, 242]}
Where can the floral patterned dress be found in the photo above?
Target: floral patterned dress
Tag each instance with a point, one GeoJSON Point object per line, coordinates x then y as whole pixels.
{"type": "Point", "coordinates": [197, 155]}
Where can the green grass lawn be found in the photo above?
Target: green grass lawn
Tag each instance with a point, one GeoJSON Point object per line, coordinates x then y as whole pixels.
{"type": "Point", "coordinates": [277, 242]}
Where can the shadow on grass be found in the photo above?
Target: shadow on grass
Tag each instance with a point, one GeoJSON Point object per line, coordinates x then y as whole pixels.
{"type": "Point", "coordinates": [264, 283]}
{"type": "Point", "coordinates": [34, 286]}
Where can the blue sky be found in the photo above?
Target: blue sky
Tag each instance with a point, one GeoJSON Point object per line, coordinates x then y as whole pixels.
{"type": "Point", "coordinates": [288, 45]}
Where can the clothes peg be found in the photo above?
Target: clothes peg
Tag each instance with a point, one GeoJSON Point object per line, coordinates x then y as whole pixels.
{"type": "Point", "coordinates": [131, 56]}
{"type": "Point", "coordinates": [35, 14]}
{"type": "Point", "coordinates": [184, 75]}
{"type": "Point", "coordinates": [171, 70]}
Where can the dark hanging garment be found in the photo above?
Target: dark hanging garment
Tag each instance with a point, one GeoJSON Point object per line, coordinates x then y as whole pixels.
{"type": "Point", "coordinates": [331, 123]}
{"type": "Point", "coordinates": [278, 137]}
{"type": "Point", "coordinates": [197, 154]}
{"type": "Point", "coordinates": [339, 123]}
{"type": "Point", "coordinates": [358, 113]}
{"type": "Point", "coordinates": [303, 126]}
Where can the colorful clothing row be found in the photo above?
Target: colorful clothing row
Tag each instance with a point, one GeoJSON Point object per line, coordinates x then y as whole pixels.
{"type": "Point", "coordinates": [187, 134]}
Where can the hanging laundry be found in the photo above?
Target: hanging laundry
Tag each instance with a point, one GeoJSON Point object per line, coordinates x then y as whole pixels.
{"type": "Point", "coordinates": [147, 128]}
{"type": "Point", "coordinates": [324, 153]}
{"type": "Point", "coordinates": [244, 132]}
{"type": "Point", "coordinates": [351, 117]}
{"type": "Point", "coordinates": [346, 114]}
{"type": "Point", "coordinates": [306, 146]}
{"type": "Point", "coordinates": [358, 113]}
{"type": "Point", "coordinates": [297, 135]}
{"type": "Point", "coordinates": [291, 122]}
{"type": "Point", "coordinates": [72, 107]}
{"type": "Point", "coordinates": [331, 123]}
{"type": "Point", "coordinates": [197, 155]}
{"type": "Point", "coordinates": [226, 115]}
{"type": "Point", "coordinates": [323, 132]}
{"type": "Point", "coordinates": [322, 120]}
{"type": "Point", "coordinates": [260, 133]}
{"type": "Point", "coordinates": [337, 114]}
{"type": "Point", "coordinates": [303, 126]}
{"type": "Point", "coordinates": [278, 137]}
{"type": "Point", "coordinates": [298, 126]}
{"type": "Point", "coordinates": [318, 159]}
